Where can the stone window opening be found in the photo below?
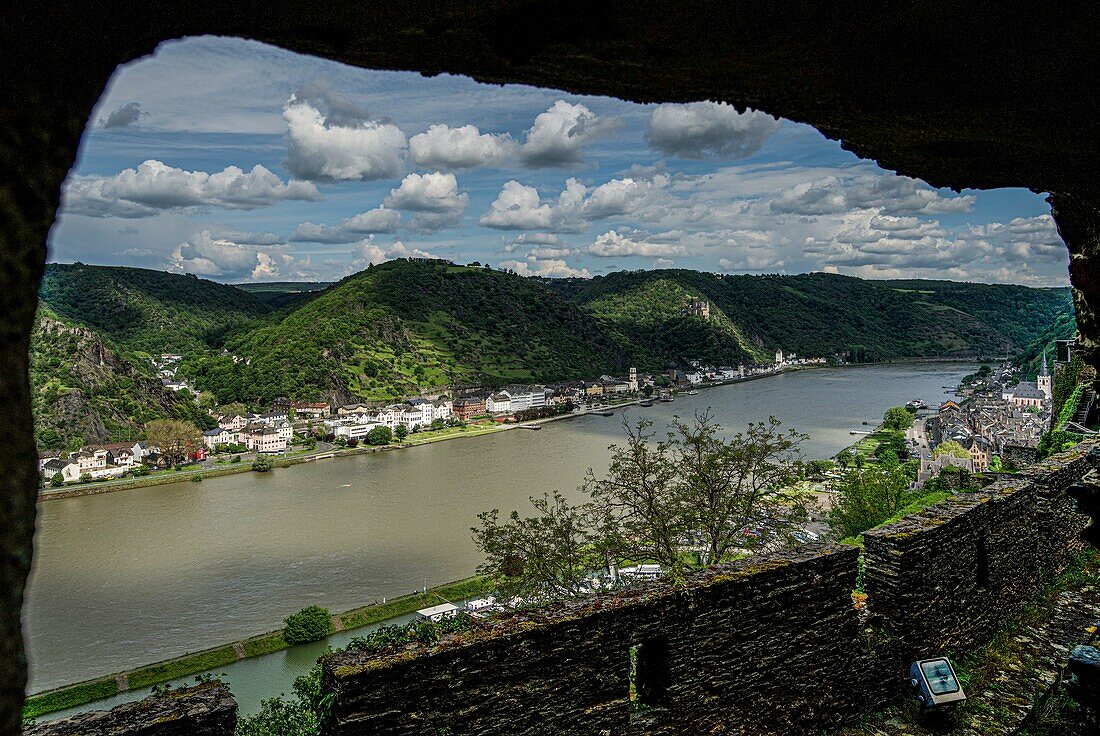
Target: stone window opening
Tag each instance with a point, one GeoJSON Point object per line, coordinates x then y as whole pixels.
{"type": "Point", "coordinates": [982, 565]}
{"type": "Point", "coordinates": [649, 675]}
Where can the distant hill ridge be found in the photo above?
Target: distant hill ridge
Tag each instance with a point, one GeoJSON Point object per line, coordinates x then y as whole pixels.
{"type": "Point", "coordinates": [405, 326]}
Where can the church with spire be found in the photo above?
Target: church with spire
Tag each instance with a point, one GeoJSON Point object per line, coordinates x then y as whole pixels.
{"type": "Point", "coordinates": [1043, 382]}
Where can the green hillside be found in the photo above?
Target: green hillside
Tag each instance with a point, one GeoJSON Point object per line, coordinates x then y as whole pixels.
{"type": "Point", "coordinates": [819, 314]}
{"type": "Point", "coordinates": [149, 311]}
{"type": "Point", "coordinates": [1064, 327]}
{"type": "Point", "coordinates": [403, 326]}
{"type": "Point", "coordinates": [83, 389]}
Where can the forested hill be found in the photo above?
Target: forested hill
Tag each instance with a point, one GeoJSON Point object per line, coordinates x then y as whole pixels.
{"type": "Point", "coordinates": [819, 314]}
{"type": "Point", "coordinates": [150, 311]}
{"type": "Point", "coordinates": [84, 391]}
{"type": "Point", "coordinates": [405, 325]}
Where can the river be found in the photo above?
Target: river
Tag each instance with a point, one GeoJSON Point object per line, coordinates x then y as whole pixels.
{"type": "Point", "coordinates": [122, 579]}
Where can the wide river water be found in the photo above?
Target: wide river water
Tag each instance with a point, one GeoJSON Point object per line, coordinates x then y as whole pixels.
{"type": "Point", "coordinates": [127, 578]}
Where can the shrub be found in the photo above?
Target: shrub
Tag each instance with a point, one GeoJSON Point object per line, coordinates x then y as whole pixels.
{"type": "Point", "coordinates": [263, 464]}
{"type": "Point", "coordinates": [57, 480]}
{"type": "Point", "coordinates": [140, 471]}
{"type": "Point", "coordinates": [85, 478]}
{"type": "Point", "coordinates": [196, 478]}
{"type": "Point", "coordinates": [379, 436]}
{"type": "Point", "coordinates": [312, 623]}
{"type": "Point", "coordinates": [235, 459]}
{"type": "Point", "coordinates": [897, 418]}
{"type": "Point", "coordinates": [353, 442]}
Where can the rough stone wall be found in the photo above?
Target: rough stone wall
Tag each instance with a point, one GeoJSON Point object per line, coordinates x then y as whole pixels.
{"type": "Point", "coordinates": [762, 646]}
{"type": "Point", "coordinates": [203, 710]}
{"type": "Point", "coordinates": [1019, 455]}
{"type": "Point", "coordinates": [769, 645]}
{"type": "Point", "coordinates": [947, 578]}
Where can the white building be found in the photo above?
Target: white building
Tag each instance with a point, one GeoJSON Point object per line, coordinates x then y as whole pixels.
{"type": "Point", "coordinates": [236, 422]}
{"type": "Point", "coordinates": [220, 436]}
{"type": "Point", "coordinates": [641, 572]}
{"type": "Point", "coordinates": [1043, 382]}
{"type": "Point", "coordinates": [440, 612]}
{"type": "Point", "coordinates": [263, 439]}
{"type": "Point", "coordinates": [284, 428]}
{"type": "Point", "coordinates": [499, 403]}
{"type": "Point", "coordinates": [353, 429]}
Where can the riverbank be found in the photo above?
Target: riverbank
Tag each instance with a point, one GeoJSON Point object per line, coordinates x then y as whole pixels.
{"type": "Point", "coordinates": [413, 440]}
{"type": "Point", "coordinates": [174, 568]}
{"type": "Point", "coordinates": [99, 688]}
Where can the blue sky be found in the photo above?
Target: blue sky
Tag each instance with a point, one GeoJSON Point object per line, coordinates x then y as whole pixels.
{"type": "Point", "coordinates": [238, 161]}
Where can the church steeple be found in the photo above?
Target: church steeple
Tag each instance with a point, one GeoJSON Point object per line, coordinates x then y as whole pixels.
{"type": "Point", "coordinates": [1044, 382]}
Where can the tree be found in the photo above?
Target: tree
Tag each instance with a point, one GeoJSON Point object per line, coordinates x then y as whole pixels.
{"type": "Point", "coordinates": [57, 480]}
{"type": "Point", "coordinates": [85, 478]}
{"type": "Point", "coordinates": [897, 418]}
{"type": "Point", "coordinates": [233, 408]}
{"type": "Point", "coordinates": [379, 436]}
{"type": "Point", "coordinates": [638, 500]}
{"type": "Point", "coordinates": [658, 499]}
{"type": "Point", "coordinates": [867, 497]}
{"type": "Point", "coordinates": [176, 438]}
{"type": "Point", "coordinates": [951, 448]}
{"type": "Point", "coordinates": [647, 390]}
{"type": "Point", "coordinates": [312, 623]}
{"type": "Point", "coordinates": [401, 432]}
{"type": "Point", "coordinates": [549, 554]}
{"type": "Point", "coordinates": [49, 438]}
{"type": "Point", "coordinates": [263, 464]}
{"type": "Point", "coordinates": [891, 446]}
{"type": "Point", "coordinates": [726, 487]}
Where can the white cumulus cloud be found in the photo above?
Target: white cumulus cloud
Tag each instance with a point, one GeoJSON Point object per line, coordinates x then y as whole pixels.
{"type": "Point", "coordinates": [465, 147]}
{"type": "Point", "coordinates": [155, 187]}
{"type": "Point", "coordinates": [435, 197]}
{"type": "Point", "coordinates": [708, 130]}
{"type": "Point", "coordinates": [319, 149]}
{"type": "Point", "coordinates": [559, 135]}
{"type": "Point", "coordinates": [379, 220]}
{"type": "Point", "coordinates": [208, 255]}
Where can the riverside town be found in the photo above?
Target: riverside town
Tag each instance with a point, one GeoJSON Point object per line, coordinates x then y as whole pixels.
{"type": "Point", "coordinates": [516, 370]}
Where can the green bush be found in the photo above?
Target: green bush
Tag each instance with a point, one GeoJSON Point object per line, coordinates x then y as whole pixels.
{"type": "Point", "coordinates": [57, 480]}
{"type": "Point", "coordinates": [263, 464]}
{"type": "Point", "coordinates": [379, 436]}
{"type": "Point", "coordinates": [235, 459]}
{"type": "Point", "coordinates": [196, 478]}
{"type": "Point", "coordinates": [312, 623]}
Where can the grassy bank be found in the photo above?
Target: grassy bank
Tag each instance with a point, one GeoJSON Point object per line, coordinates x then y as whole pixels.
{"type": "Point", "coordinates": [81, 693]}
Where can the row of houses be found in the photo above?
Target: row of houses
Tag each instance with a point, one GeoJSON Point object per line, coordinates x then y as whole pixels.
{"type": "Point", "coordinates": [98, 461]}
{"type": "Point", "coordinates": [265, 438]}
